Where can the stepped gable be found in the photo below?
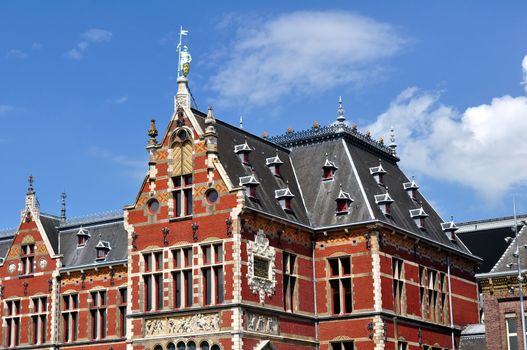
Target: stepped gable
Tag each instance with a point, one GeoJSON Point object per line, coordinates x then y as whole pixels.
{"type": "Point", "coordinates": [109, 229]}
{"type": "Point", "coordinates": [265, 201]}
{"type": "Point", "coordinates": [486, 238]}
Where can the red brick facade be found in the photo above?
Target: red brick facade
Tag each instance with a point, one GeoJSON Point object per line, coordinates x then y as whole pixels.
{"type": "Point", "coordinates": [206, 271]}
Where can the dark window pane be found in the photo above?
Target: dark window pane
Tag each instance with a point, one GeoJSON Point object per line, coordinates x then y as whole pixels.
{"type": "Point", "coordinates": [346, 265]}
{"type": "Point", "coordinates": [177, 204]}
{"type": "Point", "coordinates": [159, 289]}
{"type": "Point", "coordinates": [219, 285]}
{"type": "Point", "coordinates": [207, 284]}
{"type": "Point", "coordinates": [177, 288]}
{"type": "Point", "coordinates": [334, 267]}
{"type": "Point", "coordinates": [335, 295]}
{"type": "Point", "coordinates": [346, 285]}
{"type": "Point", "coordinates": [189, 291]}
{"type": "Point", "coordinates": [188, 202]}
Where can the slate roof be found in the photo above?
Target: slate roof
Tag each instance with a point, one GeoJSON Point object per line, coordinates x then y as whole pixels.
{"type": "Point", "coordinates": [111, 232]}
{"type": "Point", "coordinates": [230, 136]}
{"type": "Point", "coordinates": [473, 337]}
{"type": "Point", "coordinates": [486, 238]}
{"type": "Point", "coordinates": [304, 155]}
{"type": "Point", "coordinates": [106, 227]}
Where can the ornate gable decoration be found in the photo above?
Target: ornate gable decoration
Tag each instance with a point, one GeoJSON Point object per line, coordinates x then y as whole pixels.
{"type": "Point", "coordinates": [261, 275]}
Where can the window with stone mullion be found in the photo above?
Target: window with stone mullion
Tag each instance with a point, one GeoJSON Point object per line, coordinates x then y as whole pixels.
{"type": "Point", "coordinates": [289, 277]}
{"type": "Point", "coordinates": [39, 320]}
{"type": "Point", "coordinates": [340, 285]}
{"type": "Point", "coordinates": [212, 273]}
{"type": "Point", "coordinates": [98, 314]}
{"type": "Point", "coordinates": [12, 319]}
{"type": "Point", "coordinates": [70, 317]}
{"type": "Point", "coordinates": [153, 281]}
{"type": "Point", "coordinates": [398, 285]}
{"type": "Point", "coordinates": [182, 277]}
{"type": "Point", "coordinates": [344, 345]}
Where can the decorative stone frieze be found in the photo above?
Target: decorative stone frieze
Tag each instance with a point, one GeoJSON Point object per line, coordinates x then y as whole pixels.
{"type": "Point", "coordinates": [197, 323]}
{"type": "Point", "coordinates": [261, 275]}
{"type": "Point", "coordinates": [261, 323]}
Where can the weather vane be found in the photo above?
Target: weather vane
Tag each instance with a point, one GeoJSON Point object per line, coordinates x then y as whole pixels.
{"type": "Point", "coordinates": [184, 57]}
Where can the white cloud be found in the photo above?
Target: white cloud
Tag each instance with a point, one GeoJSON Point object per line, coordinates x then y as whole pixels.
{"type": "Point", "coordinates": [120, 100]}
{"type": "Point", "coordinates": [4, 109]}
{"type": "Point", "coordinates": [300, 53]}
{"type": "Point", "coordinates": [524, 69]}
{"type": "Point", "coordinates": [97, 35]}
{"type": "Point", "coordinates": [73, 54]}
{"type": "Point", "coordinates": [36, 46]}
{"type": "Point", "coordinates": [93, 35]}
{"type": "Point", "coordinates": [16, 53]}
{"type": "Point", "coordinates": [484, 147]}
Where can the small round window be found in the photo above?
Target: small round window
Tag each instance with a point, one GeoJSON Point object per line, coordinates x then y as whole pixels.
{"type": "Point", "coordinates": [182, 135]}
{"type": "Point", "coordinates": [153, 206]}
{"type": "Point", "coordinates": [212, 196]}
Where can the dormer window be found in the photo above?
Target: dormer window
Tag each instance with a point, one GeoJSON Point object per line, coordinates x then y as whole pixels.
{"type": "Point", "coordinates": [250, 183]}
{"type": "Point", "coordinates": [343, 202]}
{"type": "Point", "coordinates": [419, 216]}
{"type": "Point", "coordinates": [82, 237]}
{"type": "Point", "coordinates": [243, 151]}
{"type": "Point", "coordinates": [378, 174]}
{"type": "Point", "coordinates": [103, 247]}
{"type": "Point", "coordinates": [328, 170]}
{"type": "Point", "coordinates": [384, 201]}
{"type": "Point", "coordinates": [274, 164]}
{"type": "Point", "coordinates": [449, 228]}
{"type": "Point", "coordinates": [411, 188]}
{"type": "Point", "coordinates": [284, 197]}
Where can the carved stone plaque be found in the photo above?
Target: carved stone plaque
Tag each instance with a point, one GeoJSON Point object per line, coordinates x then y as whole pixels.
{"type": "Point", "coordinates": [261, 267]}
{"type": "Point", "coordinates": [198, 323]}
{"type": "Point", "coordinates": [261, 275]}
{"type": "Point", "coordinates": [261, 323]}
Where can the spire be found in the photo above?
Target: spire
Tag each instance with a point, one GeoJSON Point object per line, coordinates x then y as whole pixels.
{"type": "Point", "coordinates": [392, 145]}
{"type": "Point", "coordinates": [340, 118]}
{"type": "Point", "coordinates": [30, 190]}
{"type": "Point", "coordinates": [31, 197]}
{"type": "Point", "coordinates": [152, 132]}
{"type": "Point", "coordinates": [210, 121]}
{"type": "Point", "coordinates": [183, 96]}
{"type": "Point", "coordinates": [241, 122]}
{"type": "Point", "coordinates": [63, 206]}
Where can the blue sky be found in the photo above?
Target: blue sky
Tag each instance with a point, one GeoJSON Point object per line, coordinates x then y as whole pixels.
{"type": "Point", "coordinates": [79, 82]}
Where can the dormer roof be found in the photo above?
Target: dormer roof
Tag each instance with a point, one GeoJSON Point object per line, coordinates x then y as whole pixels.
{"type": "Point", "coordinates": [383, 198]}
{"type": "Point", "coordinates": [103, 245]}
{"type": "Point", "coordinates": [410, 185]}
{"type": "Point", "coordinates": [273, 161]}
{"type": "Point", "coordinates": [329, 164]}
{"type": "Point", "coordinates": [344, 196]}
{"type": "Point", "coordinates": [418, 213]}
{"type": "Point", "coordinates": [248, 181]}
{"type": "Point", "coordinates": [242, 148]}
{"type": "Point", "coordinates": [283, 193]}
{"type": "Point", "coordinates": [376, 170]}
{"type": "Point", "coordinates": [83, 232]}
{"type": "Point", "coordinates": [449, 226]}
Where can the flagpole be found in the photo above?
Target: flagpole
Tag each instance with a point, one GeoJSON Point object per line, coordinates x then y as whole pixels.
{"type": "Point", "coordinates": [179, 52]}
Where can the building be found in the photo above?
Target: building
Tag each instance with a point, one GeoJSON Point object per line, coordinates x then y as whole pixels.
{"type": "Point", "coordinates": [494, 240]}
{"type": "Point", "coordinates": [310, 240]}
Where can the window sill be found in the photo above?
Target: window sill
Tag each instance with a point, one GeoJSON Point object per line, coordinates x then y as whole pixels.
{"type": "Point", "coordinates": [180, 218]}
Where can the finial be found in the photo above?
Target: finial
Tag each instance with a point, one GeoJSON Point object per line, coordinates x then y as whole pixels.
{"type": "Point", "coordinates": [241, 122]}
{"type": "Point", "coordinates": [392, 145]}
{"type": "Point", "coordinates": [290, 130]}
{"type": "Point", "coordinates": [210, 119]}
{"type": "Point", "coordinates": [316, 125]}
{"type": "Point", "coordinates": [452, 218]}
{"type": "Point", "coordinates": [184, 57]}
{"type": "Point", "coordinates": [63, 206]}
{"type": "Point", "coordinates": [340, 118]}
{"type": "Point", "coordinates": [152, 132]}
{"type": "Point", "coordinates": [381, 140]}
{"type": "Point", "coordinates": [264, 135]}
{"type": "Point", "coordinates": [30, 189]}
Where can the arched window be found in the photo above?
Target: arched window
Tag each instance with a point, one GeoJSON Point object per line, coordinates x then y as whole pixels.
{"type": "Point", "coordinates": [215, 347]}
{"type": "Point", "coordinates": [204, 345]}
{"type": "Point", "coordinates": [191, 345]}
{"type": "Point", "coordinates": [158, 347]}
{"type": "Point", "coordinates": [171, 346]}
{"type": "Point", "coordinates": [181, 346]}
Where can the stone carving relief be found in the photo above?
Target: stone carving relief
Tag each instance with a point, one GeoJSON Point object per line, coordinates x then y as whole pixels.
{"type": "Point", "coordinates": [259, 252]}
{"type": "Point", "coordinates": [198, 323]}
{"type": "Point", "coordinates": [261, 323]}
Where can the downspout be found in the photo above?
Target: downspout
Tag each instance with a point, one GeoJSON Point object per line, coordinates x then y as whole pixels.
{"type": "Point", "coordinates": [314, 292]}
{"type": "Point", "coordinates": [450, 302]}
